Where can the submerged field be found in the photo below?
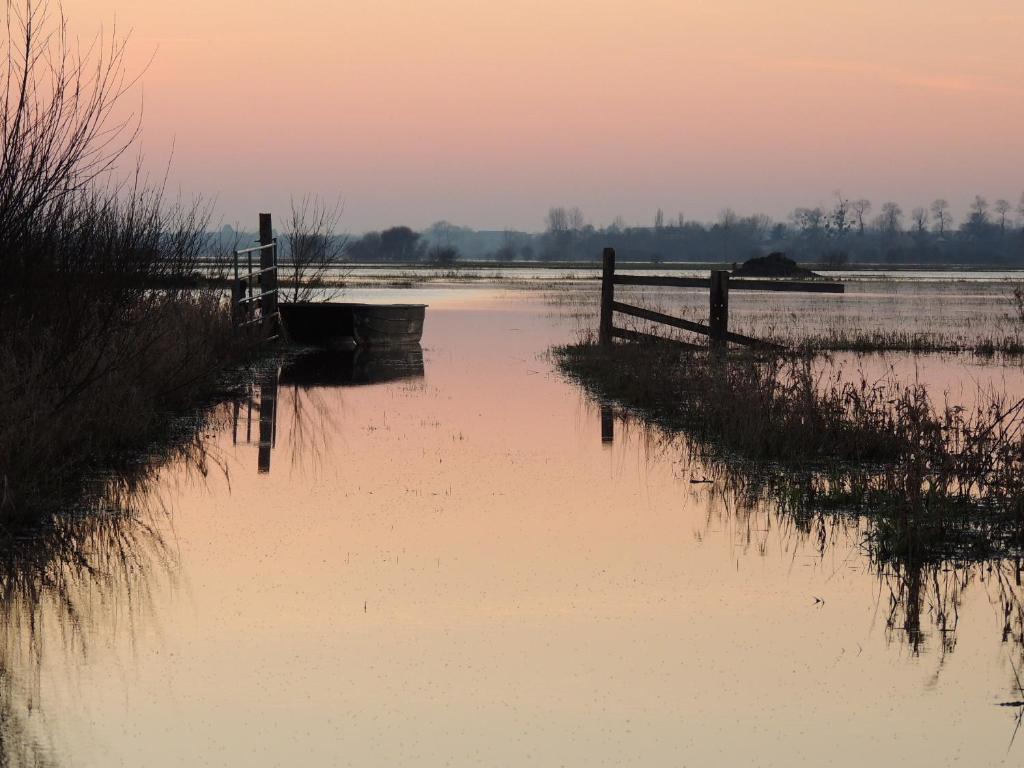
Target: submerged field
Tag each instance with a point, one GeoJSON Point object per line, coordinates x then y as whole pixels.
{"type": "Point", "coordinates": [918, 310]}
{"type": "Point", "coordinates": [461, 557]}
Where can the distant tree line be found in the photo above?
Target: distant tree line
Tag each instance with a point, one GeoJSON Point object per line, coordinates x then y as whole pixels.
{"type": "Point", "coordinates": [401, 245]}
{"type": "Point", "coordinates": [849, 230]}
{"type": "Point", "coordinates": [845, 232]}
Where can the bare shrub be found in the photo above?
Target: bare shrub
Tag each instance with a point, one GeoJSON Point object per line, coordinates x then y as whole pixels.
{"type": "Point", "coordinates": [314, 246]}
{"type": "Point", "coordinates": [101, 329]}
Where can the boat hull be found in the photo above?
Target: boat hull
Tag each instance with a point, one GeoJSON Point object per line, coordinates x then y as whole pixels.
{"type": "Point", "coordinates": [337, 325]}
{"type": "Point", "coordinates": [388, 325]}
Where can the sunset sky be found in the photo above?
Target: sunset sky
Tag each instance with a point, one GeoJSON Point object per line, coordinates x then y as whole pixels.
{"type": "Point", "coordinates": [486, 114]}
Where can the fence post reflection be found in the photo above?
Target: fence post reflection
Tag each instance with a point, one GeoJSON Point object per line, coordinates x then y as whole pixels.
{"type": "Point", "coordinates": [607, 424]}
{"type": "Point", "coordinates": [268, 419]}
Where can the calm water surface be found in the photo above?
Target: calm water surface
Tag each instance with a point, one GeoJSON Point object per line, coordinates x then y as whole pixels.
{"type": "Point", "coordinates": [452, 568]}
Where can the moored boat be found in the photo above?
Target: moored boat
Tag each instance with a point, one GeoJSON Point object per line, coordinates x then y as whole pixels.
{"type": "Point", "coordinates": [345, 325]}
{"type": "Point", "coordinates": [387, 325]}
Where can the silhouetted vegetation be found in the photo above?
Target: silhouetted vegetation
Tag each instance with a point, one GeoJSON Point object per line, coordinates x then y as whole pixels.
{"type": "Point", "coordinates": [763, 500]}
{"type": "Point", "coordinates": [91, 566]}
{"type": "Point", "coordinates": [831, 236]}
{"type": "Point", "coordinates": [100, 335]}
{"type": "Point", "coordinates": [442, 254]}
{"type": "Point", "coordinates": [312, 247]}
{"type": "Point", "coordinates": [397, 244]}
{"type": "Point", "coordinates": [936, 480]}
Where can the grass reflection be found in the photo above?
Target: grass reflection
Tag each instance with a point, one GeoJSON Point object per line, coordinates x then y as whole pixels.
{"type": "Point", "coordinates": [811, 512]}
{"type": "Point", "coordinates": [87, 575]}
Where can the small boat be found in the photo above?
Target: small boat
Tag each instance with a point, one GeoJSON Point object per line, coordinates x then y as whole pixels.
{"type": "Point", "coordinates": [345, 325]}
{"type": "Point", "coordinates": [388, 325]}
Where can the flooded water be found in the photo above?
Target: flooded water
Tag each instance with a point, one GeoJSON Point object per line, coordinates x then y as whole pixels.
{"type": "Point", "coordinates": [458, 559]}
{"type": "Point", "coordinates": [936, 309]}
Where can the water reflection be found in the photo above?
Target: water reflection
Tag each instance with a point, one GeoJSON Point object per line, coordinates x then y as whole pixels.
{"type": "Point", "coordinates": [921, 602]}
{"type": "Point", "coordinates": [305, 373]}
{"type": "Point", "coordinates": [261, 399]}
{"type": "Point", "coordinates": [85, 579]}
{"type": "Point", "coordinates": [802, 510]}
{"type": "Point", "coordinates": [483, 569]}
{"type": "Point", "coordinates": [607, 424]}
{"type": "Point", "coordinates": [328, 368]}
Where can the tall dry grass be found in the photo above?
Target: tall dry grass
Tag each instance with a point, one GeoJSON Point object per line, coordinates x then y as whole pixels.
{"type": "Point", "coordinates": [936, 478]}
{"type": "Point", "coordinates": [99, 340]}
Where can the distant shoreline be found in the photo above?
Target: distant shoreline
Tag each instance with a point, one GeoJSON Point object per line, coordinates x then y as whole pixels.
{"type": "Point", "coordinates": [665, 265]}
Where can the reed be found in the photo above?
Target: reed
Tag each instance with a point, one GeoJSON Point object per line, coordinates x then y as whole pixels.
{"type": "Point", "coordinates": [103, 335]}
{"type": "Point", "coordinates": [936, 479]}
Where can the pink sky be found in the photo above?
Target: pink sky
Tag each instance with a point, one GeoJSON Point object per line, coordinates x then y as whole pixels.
{"type": "Point", "coordinates": [486, 114]}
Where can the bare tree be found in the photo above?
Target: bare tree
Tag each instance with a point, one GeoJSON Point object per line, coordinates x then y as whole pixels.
{"type": "Point", "coordinates": [890, 221]}
{"type": "Point", "coordinates": [861, 209]}
{"type": "Point", "coordinates": [809, 220]}
{"type": "Point", "coordinates": [727, 218]}
{"type": "Point", "coordinates": [563, 227]}
{"type": "Point", "coordinates": [313, 246]}
{"type": "Point", "coordinates": [1002, 207]}
{"type": "Point", "coordinates": [940, 212]}
{"type": "Point", "coordinates": [63, 213]}
{"type": "Point", "coordinates": [557, 220]}
{"type": "Point", "coordinates": [58, 133]}
{"type": "Point", "coordinates": [441, 232]}
{"type": "Point", "coordinates": [920, 218]}
{"type": "Point", "coordinates": [576, 219]}
{"type": "Point", "coordinates": [979, 210]}
{"type": "Point", "coordinates": [977, 226]}
{"type": "Point", "coordinates": [839, 219]}
{"type": "Point", "coordinates": [659, 220]}
{"type": "Point", "coordinates": [760, 224]}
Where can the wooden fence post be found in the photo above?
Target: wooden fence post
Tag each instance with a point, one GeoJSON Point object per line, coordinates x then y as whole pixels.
{"type": "Point", "coordinates": [237, 294]}
{"type": "Point", "coordinates": [268, 280]}
{"type": "Point", "coordinates": [604, 333]}
{"type": "Point", "coordinates": [719, 319]}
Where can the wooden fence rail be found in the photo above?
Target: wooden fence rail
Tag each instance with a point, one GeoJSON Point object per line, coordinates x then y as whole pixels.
{"type": "Point", "coordinates": [719, 285]}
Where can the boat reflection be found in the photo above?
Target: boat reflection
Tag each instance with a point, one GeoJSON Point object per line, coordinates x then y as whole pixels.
{"type": "Point", "coordinates": [316, 369]}
{"type": "Point", "coordinates": [329, 368]}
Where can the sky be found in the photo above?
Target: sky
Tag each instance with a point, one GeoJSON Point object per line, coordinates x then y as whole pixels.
{"type": "Point", "coordinates": [486, 114]}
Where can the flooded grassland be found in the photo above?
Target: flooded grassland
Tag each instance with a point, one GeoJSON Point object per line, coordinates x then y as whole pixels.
{"type": "Point", "coordinates": [459, 558]}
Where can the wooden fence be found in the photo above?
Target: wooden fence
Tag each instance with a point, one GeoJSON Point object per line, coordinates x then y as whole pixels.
{"type": "Point", "coordinates": [254, 296]}
{"type": "Point", "coordinates": [720, 283]}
